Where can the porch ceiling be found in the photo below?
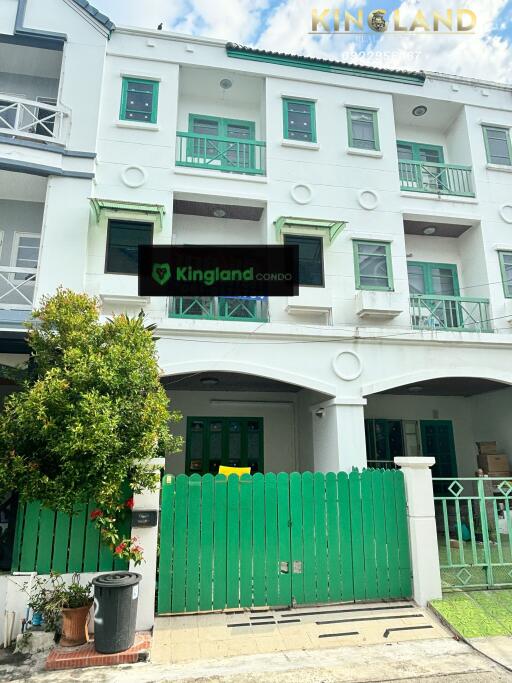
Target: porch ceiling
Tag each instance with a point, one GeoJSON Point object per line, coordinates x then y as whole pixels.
{"type": "Point", "coordinates": [448, 386]}
{"type": "Point", "coordinates": [414, 227]}
{"type": "Point", "coordinates": [237, 212]}
{"type": "Point", "coordinates": [227, 381]}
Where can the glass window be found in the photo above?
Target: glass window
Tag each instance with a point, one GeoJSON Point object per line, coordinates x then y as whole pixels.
{"type": "Point", "coordinates": [26, 254]}
{"type": "Point", "coordinates": [311, 267]}
{"type": "Point", "coordinates": [123, 240]}
{"type": "Point", "coordinates": [299, 120]}
{"type": "Point", "coordinates": [506, 271]}
{"type": "Point", "coordinates": [497, 145]}
{"type": "Point", "coordinates": [362, 129]}
{"type": "Point", "coordinates": [139, 100]}
{"type": "Point", "coordinates": [373, 265]}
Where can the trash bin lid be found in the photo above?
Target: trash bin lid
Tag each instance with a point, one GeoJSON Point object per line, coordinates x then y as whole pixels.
{"type": "Point", "coordinates": [117, 579]}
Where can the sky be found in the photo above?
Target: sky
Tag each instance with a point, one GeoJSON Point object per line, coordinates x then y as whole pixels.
{"type": "Point", "coordinates": [285, 26]}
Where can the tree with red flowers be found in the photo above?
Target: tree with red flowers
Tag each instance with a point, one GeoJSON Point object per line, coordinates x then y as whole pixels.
{"type": "Point", "coordinates": [90, 416]}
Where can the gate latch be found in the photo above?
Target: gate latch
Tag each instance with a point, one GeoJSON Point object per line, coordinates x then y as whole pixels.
{"type": "Point", "coordinates": [284, 567]}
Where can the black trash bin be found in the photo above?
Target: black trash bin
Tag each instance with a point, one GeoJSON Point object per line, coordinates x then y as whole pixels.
{"type": "Point", "coordinates": [116, 596]}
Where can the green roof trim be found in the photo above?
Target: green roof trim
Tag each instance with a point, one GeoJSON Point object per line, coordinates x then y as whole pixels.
{"type": "Point", "coordinates": [100, 205]}
{"type": "Point", "coordinates": [330, 66]}
{"type": "Point", "coordinates": [332, 228]}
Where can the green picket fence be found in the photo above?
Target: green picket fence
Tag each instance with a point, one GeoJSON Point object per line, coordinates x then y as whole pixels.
{"type": "Point", "coordinates": [282, 539]}
{"type": "Point", "coordinates": [53, 541]}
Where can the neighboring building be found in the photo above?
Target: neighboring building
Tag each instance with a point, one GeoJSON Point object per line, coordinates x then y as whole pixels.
{"type": "Point", "coordinates": [397, 187]}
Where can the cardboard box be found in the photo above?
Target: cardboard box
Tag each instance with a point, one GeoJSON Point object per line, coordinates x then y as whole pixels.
{"type": "Point", "coordinates": [497, 462]}
{"type": "Point", "coordinates": [487, 447]}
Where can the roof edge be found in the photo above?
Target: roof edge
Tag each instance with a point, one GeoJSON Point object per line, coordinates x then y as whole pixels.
{"type": "Point", "coordinates": [284, 59]}
{"type": "Point", "coordinates": [96, 14]}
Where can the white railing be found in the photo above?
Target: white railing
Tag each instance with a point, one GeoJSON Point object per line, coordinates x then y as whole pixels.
{"type": "Point", "coordinates": [17, 288]}
{"type": "Point", "coordinates": [30, 119]}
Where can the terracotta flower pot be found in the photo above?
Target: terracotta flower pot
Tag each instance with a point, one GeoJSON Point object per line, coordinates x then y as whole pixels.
{"type": "Point", "coordinates": [74, 626]}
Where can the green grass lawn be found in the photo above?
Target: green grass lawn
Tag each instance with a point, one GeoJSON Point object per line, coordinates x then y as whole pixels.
{"type": "Point", "coordinates": [476, 614]}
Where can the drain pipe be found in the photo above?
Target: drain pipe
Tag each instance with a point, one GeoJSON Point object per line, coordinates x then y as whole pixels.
{"type": "Point", "coordinates": [8, 627]}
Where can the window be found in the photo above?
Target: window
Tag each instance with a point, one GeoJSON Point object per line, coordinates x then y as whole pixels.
{"type": "Point", "coordinates": [311, 267]}
{"type": "Point", "coordinates": [373, 265]}
{"type": "Point", "coordinates": [139, 100]}
{"type": "Point", "coordinates": [497, 145]}
{"type": "Point", "coordinates": [123, 239]}
{"type": "Point", "coordinates": [415, 151]}
{"type": "Point", "coordinates": [362, 129]}
{"type": "Point", "coordinates": [25, 254]}
{"type": "Point", "coordinates": [299, 120]}
{"type": "Point", "coordinates": [506, 272]}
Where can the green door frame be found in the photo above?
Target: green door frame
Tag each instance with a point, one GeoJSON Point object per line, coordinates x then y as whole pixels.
{"type": "Point", "coordinates": [416, 148]}
{"type": "Point", "coordinates": [224, 460]}
{"type": "Point", "coordinates": [436, 470]}
{"type": "Point", "coordinates": [222, 132]}
{"type": "Point", "coordinates": [427, 268]}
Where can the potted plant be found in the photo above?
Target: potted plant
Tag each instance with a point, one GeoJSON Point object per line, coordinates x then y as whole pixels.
{"type": "Point", "coordinates": [75, 613]}
{"type": "Point", "coordinates": [64, 608]}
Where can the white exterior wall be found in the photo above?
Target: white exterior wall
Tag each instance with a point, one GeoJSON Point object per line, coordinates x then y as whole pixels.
{"type": "Point", "coordinates": [300, 349]}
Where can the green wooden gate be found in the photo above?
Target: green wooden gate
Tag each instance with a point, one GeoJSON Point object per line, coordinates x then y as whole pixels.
{"type": "Point", "coordinates": [282, 539]}
{"type": "Point", "coordinates": [474, 527]}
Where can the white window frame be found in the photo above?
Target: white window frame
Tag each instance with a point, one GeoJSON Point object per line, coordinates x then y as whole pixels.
{"type": "Point", "coordinates": [16, 245]}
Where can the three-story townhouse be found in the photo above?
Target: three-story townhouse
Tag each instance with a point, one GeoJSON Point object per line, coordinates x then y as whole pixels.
{"type": "Point", "coordinates": [394, 185]}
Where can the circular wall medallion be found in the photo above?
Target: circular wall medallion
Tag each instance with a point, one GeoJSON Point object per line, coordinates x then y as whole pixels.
{"type": "Point", "coordinates": [506, 212]}
{"type": "Point", "coordinates": [134, 176]}
{"type": "Point", "coordinates": [368, 199]}
{"type": "Point", "coordinates": [302, 193]}
{"type": "Point", "coordinates": [347, 365]}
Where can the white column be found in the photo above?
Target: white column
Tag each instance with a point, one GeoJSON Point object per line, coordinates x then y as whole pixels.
{"type": "Point", "coordinates": [338, 435]}
{"type": "Point", "coordinates": [147, 538]}
{"type": "Point", "coordinates": [426, 573]}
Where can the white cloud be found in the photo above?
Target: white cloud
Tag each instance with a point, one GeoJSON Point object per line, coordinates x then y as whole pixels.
{"type": "Point", "coordinates": [285, 29]}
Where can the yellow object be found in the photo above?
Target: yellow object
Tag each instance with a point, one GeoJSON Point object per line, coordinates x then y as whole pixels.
{"type": "Point", "coordinates": [226, 471]}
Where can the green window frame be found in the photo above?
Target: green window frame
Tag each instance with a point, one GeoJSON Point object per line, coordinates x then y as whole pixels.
{"type": "Point", "coordinates": [427, 269]}
{"type": "Point", "coordinates": [416, 149]}
{"type": "Point", "coordinates": [215, 441]}
{"type": "Point", "coordinates": [506, 272]}
{"type": "Point", "coordinates": [218, 147]}
{"type": "Point", "coordinates": [368, 249]}
{"type": "Point", "coordinates": [299, 120]}
{"type": "Point", "coordinates": [123, 240]}
{"type": "Point", "coordinates": [311, 258]}
{"type": "Point", "coordinates": [356, 140]}
{"type": "Point", "coordinates": [139, 100]}
{"type": "Point", "coordinates": [494, 137]}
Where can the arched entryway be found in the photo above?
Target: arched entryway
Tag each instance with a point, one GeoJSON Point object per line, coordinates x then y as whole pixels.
{"type": "Point", "coordinates": [442, 417]}
{"type": "Point", "coordinates": [241, 420]}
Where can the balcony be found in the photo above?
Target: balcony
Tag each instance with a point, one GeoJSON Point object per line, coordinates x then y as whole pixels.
{"type": "Point", "coordinates": [244, 309]}
{"type": "Point", "coordinates": [30, 120]}
{"type": "Point", "coordinates": [452, 313]}
{"type": "Point", "coordinates": [16, 293]}
{"type": "Point", "coordinates": [231, 155]}
{"type": "Point", "coordinates": [442, 179]}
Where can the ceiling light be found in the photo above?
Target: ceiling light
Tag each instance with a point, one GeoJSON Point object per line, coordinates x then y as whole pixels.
{"type": "Point", "coordinates": [209, 381]}
{"type": "Point", "coordinates": [226, 83]}
{"type": "Point", "coordinates": [219, 212]}
{"type": "Point", "coordinates": [420, 110]}
{"type": "Point", "coordinates": [429, 230]}
{"type": "Point", "coordinates": [415, 389]}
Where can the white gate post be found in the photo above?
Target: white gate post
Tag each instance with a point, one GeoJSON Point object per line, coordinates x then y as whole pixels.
{"type": "Point", "coordinates": [147, 538]}
{"type": "Point", "coordinates": [421, 518]}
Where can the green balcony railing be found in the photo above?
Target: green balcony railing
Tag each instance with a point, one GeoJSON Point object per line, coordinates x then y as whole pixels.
{"type": "Point", "coordinates": [463, 314]}
{"type": "Point", "coordinates": [219, 308]}
{"type": "Point", "coordinates": [447, 179]}
{"type": "Point", "coordinates": [234, 155]}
